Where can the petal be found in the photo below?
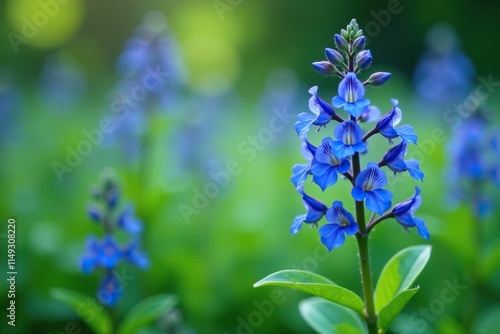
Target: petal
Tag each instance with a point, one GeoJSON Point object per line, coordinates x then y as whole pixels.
{"type": "Point", "coordinates": [327, 178]}
{"type": "Point", "coordinates": [378, 200]}
{"type": "Point", "coordinates": [421, 228]}
{"type": "Point", "coordinates": [299, 174]}
{"type": "Point", "coordinates": [358, 194]}
{"type": "Point", "coordinates": [297, 224]}
{"type": "Point", "coordinates": [351, 89]}
{"type": "Point", "coordinates": [407, 133]}
{"type": "Point", "coordinates": [332, 236]}
{"type": "Point", "coordinates": [304, 122]}
{"type": "Point", "coordinates": [344, 167]}
{"type": "Point", "coordinates": [414, 169]}
{"type": "Point", "coordinates": [338, 102]}
{"type": "Point", "coordinates": [341, 150]}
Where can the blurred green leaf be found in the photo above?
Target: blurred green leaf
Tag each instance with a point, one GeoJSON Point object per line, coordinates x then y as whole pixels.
{"type": "Point", "coordinates": [314, 284]}
{"type": "Point", "coordinates": [146, 312]}
{"type": "Point", "coordinates": [395, 306]}
{"type": "Point", "coordinates": [486, 322]}
{"type": "Point", "coordinates": [87, 308]}
{"type": "Point", "coordinates": [326, 317]}
{"type": "Point", "coordinates": [399, 273]}
{"type": "Point", "coordinates": [491, 261]}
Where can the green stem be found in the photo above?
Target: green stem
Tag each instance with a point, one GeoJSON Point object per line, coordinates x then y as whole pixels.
{"type": "Point", "coordinates": [364, 257]}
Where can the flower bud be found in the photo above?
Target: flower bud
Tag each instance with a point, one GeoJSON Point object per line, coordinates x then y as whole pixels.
{"type": "Point", "coordinates": [364, 59]}
{"type": "Point", "coordinates": [378, 78]}
{"type": "Point", "coordinates": [334, 57]}
{"type": "Point", "coordinates": [341, 42]}
{"type": "Point", "coordinates": [358, 44]}
{"type": "Point", "coordinates": [344, 33]}
{"type": "Point", "coordinates": [324, 67]}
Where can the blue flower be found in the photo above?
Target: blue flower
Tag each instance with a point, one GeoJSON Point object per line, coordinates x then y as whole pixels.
{"type": "Point", "coordinates": [351, 92]}
{"type": "Point", "coordinates": [109, 253]}
{"type": "Point", "coordinates": [301, 171]}
{"type": "Point", "coordinates": [128, 222]}
{"type": "Point", "coordinates": [94, 213]}
{"type": "Point", "coordinates": [386, 125]}
{"type": "Point", "coordinates": [349, 137]}
{"type": "Point", "coordinates": [323, 113]}
{"type": "Point", "coordinates": [326, 165]}
{"type": "Point", "coordinates": [315, 211]}
{"type": "Point", "coordinates": [394, 159]}
{"type": "Point", "coordinates": [135, 255]}
{"type": "Point", "coordinates": [110, 290]}
{"type": "Point", "coordinates": [403, 213]}
{"type": "Point", "coordinates": [341, 223]}
{"type": "Point", "coordinates": [368, 186]}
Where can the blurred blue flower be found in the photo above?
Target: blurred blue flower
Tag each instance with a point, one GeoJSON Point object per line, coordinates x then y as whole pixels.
{"type": "Point", "coordinates": [386, 125]}
{"type": "Point", "coordinates": [474, 166]}
{"type": "Point", "coordinates": [322, 111]}
{"type": "Point", "coordinates": [315, 211]}
{"type": "Point", "coordinates": [110, 290]}
{"type": "Point", "coordinates": [326, 165]}
{"type": "Point", "coordinates": [368, 185]}
{"type": "Point", "coordinates": [63, 81]}
{"type": "Point", "coordinates": [394, 159]}
{"type": "Point", "coordinates": [341, 223]}
{"type": "Point", "coordinates": [403, 213]}
{"type": "Point", "coordinates": [349, 137]}
{"type": "Point", "coordinates": [351, 92]}
{"type": "Point", "coordinates": [128, 222]}
{"type": "Point", "coordinates": [108, 253]}
{"type": "Point", "coordinates": [444, 75]}
{"type": "Point", "coordinates": [135, 255]}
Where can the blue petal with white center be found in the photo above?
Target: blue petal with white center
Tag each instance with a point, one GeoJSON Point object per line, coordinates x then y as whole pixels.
{"type": "Point", "coordinates": [403, 213]}
{"type": "Point", "coordinates": [326, 165]}
{"type": "Point", "coordinates": [341, 222]}
{"type": "Point", "coordinates": [351, 92]}
{"type": "Point", "coordinates": [386, 125]}
{"type": "Point", "coordinates": [322, 113]}
{"type": "Point", "coordinates": [349, 137]}
{"type": "Point", "coordinates": [368, 186]}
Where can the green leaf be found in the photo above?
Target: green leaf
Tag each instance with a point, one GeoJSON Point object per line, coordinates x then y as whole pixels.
{"type": "Point", "coordinates": [400, 273]}
{"type": "Point", "coordinates": [146, 312]}
{"type": "Point", "coordinates": [395, 306]}
{"type": "Point", "coordinates": [490, 260]}
{"type": "Point", "coordinates": [314, 284]}
{"type": "Point", "coordinates": [93, 313]}
{"type": "Point", "coordinates": [326, 317]}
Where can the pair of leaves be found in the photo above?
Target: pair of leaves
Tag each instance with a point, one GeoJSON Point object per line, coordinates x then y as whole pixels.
{"type": "Point", "coordinates": [393, 288]}
{"type": "Point", "coordinates": [93, 314]}
{"type": "Point", "coordinates": [343, 315]}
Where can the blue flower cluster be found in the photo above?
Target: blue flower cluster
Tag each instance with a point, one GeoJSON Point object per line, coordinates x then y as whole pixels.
{"type": "Point", "coordinates": [474, 168]}
{"type": "Point", "coordinates": [339, 156]}
{"type": "Point", "coordinates": [107, 253]}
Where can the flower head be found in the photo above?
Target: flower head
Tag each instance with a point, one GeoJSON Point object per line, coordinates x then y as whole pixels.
{"type": "Point", "coordinates": [341, 222]}
{"type": "Point", "coordinates": [368, 185]}
{"type": "Point", "coordinates": [386, 125]}
{"type": "Point", "coordinates": [322, 111]}
{"type": "Point", "coordinates": [326, 165]}
{"type": "Point", "coordinates": [315, 211]}
{"type": "Point", "coordinates": [351, 93]}
{"type": "Point", "coordinates": [403, 212]}
{"type": "Point", "coordinates": [349, 139]}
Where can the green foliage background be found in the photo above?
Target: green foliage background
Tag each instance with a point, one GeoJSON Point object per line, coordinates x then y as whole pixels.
{"type": "Point", "coordinates": [243, 234]}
